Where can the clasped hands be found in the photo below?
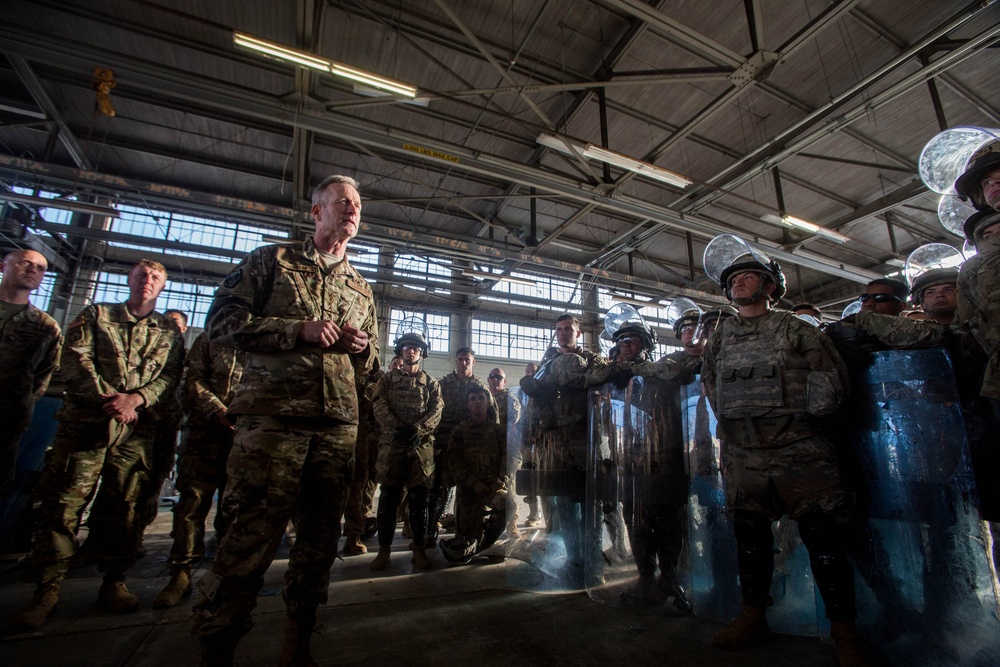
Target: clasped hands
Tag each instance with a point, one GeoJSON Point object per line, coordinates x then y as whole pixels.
{"type": "Point", "coordinates": [347, 338]}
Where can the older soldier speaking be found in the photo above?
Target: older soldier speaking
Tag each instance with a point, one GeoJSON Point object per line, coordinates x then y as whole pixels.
{"type": "Point", "coordinates": [119, 360]}
{"type": "Point", "coordinates": [29, 350]}
{"type": "Point", "coordinates": [306, 319]}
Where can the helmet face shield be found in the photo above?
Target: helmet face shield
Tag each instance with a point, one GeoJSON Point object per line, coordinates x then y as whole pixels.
{"type": "Point", "coordinates": [727, 254]}
{"type": "Point", "coordinates": [709, 322]}
{"type": "Point", "coordinates": [951, 156]}
{"type": "Point", "coordinates": [412, 331]}
{"type": "Point", "coordinates": [623, 321]}
{"type": "Point", "coordinates": [931, 264]}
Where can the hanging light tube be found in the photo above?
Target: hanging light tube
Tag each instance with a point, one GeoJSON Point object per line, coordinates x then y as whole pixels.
{"type": "Point", "coordinates": [805, 225]}
{"type": "Point", "coordinates": [323, 65]}
{"type": "Point", "coordinates": [499, 278]}
{"type": "Point", "coordinates": [60, 203]}
{"type": "Point", "coordinates": [639, 302]}
{"type": "Point", "coordinates": [601, 154]}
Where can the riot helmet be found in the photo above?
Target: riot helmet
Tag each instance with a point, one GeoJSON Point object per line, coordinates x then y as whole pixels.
{"type": "Point", "coordinates": [728, 254]}
{"type": "Point", "coordinates": [709, 322]}
{"type": "Point", "coordinates": [929, 265]}
{"type": "Point", "coordinates": [977, 224]}
{"type": "Point", "coordinates": [412, 331]}
{"type": "Point", "coordinates": [682, 312]}
{"type": "Point", "coordinates": [622, 320]}
{"type": "Point", "coordinates": [969, 184]}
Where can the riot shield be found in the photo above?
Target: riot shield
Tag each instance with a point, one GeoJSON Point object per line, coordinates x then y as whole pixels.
{"type": "Point", "coordinates": [636, 499]}
{"type": "Point", "coordinates": [926, 589]}
{"type": "Point", "coordinates": [715, 590]}
{"type": "Point", "coordinates": [547, 552]}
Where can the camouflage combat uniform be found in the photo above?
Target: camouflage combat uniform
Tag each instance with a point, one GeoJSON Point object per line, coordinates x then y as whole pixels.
{"type": "Point", "coordinates": [210, 382]}
{"type": "Point", "coordinates": [362, 494]}
{"type": "Point", "coordinates": [29, 351]}
{"type": "Point", "coordinates": [296, 410]}
{"type": "Point", "coordinates": [107, 349]}
{"type": "Point", "coordinates": [979, 309]}
{"type": "Point", "coordinates": [507, 406]}
{"type": "Point", "coordinates": [769, 380]}
{"type": "Point", "coordinates": [477, 461]}
{"type": "Point", "coordinates": [411, 406]}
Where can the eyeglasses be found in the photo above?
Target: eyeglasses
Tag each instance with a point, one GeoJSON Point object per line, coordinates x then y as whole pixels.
{"type": "Point", "coordinates": [880, 298]}
{"type": "Point", "coordinates": [629, 340]}
{"type": "Point", "coordinates": [495, 376]}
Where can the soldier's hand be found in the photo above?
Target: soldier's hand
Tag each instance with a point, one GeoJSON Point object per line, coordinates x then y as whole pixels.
{"type": "Point", "coordinates": [322, 333]}
{"type": "Point", "coordinates": [122, 407]}
{"type": "Point", "coordinates": [352, 340]}
{"type": "Point", "coordinates": [222, 420]}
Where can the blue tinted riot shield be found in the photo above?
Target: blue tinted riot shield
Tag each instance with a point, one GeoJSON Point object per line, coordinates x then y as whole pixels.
{"type": "Point", "coordinates": [715, 590]}
{"type": "Point", "coordinates": [636, 499]}
{"type": "Point", "coordinates": [926, 591]}
{"type": "Point", "coordinates": [547, 553]}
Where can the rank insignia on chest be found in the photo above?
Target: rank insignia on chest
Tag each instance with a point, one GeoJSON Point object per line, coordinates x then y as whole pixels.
{"type": "Point", "coordinates": [358, 286]}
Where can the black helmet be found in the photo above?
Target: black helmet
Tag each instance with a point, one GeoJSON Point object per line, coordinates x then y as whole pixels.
{"type": "Point", "coordinates": [633, 328]}
{"type": "Point", "coordinates": [979, 221]}
{"type": "Point", "coordinates": [411, 338]}
{"type": "Point", "coordinates": [748, 262]}
{"type": "Point", "coordinates": [687, 317]}
{"type": "Point", "coordinates": [969, 184]}
{"type": "Point", "coordinates": [929, 279]}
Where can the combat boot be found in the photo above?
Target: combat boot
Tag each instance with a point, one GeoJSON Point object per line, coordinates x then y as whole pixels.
{"type": "Point", "coordinates": [178, 587]}
{"type": "Point", "coordinates": [353, 546]}
{"type": "Point", "coordinates": [295, 647]}
{"type": "Point", "coordinates": [114, 596]}
{"type": "Point", "coordinates": [42, 603]}
{"type": "Point", "coordinates": [749, 628]}
{"type": "Point", "coordinates": [848, 645]}
{"type": "Point", "coordinates": [381, 561]}
{"type": "Point", "coordinates": [420, 559]}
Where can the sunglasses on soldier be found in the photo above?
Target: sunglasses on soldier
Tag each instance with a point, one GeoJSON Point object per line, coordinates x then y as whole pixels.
{"type": "Point", "coordinates": [496, 376]}
{"type": "Point", "coordinates": [880, 298]}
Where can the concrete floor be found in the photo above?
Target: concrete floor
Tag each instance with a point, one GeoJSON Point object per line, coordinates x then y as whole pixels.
{"type": "Point", "coordinates": [445, 616]}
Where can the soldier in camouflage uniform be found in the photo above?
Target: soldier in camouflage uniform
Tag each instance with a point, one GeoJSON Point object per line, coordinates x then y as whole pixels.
{"type": "Point", "coordinates": [29, 351]}
{"type": "Point", "coordinates": [362, 494]}
{"type": "Point", "coordinates": [477, 461]}
{"type": "Point", "coordinates": [306, 319]}
{"type": "Point", "coordinates": [170, 415]}
{"type": "Point", "coordinates": [213, 372]}
{"type": "Point", "coordinates": [558, 410]}
{"type": "Point", "coordinates": [771, 377]}
{"type": "Point", "coordinates": [408, 406]}
{"type": "Point", "coordinates": [506, 408]}
{"type": "Point", "coordinates": [684, 328]}
{"type": "Point", "coordinates": [454, 390]}
{"type": "Point", "coordinates": [119, 362]}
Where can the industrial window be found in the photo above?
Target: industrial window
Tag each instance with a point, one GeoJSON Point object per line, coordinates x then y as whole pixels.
{"type": "Point", "coordinates": [192, 299]}
{"type": "Point", "coordinates": [430, 270]}
{"type": "Point", "coordinates": [505, 340]}
{"type": "Point", "coordinates": [565, 295]}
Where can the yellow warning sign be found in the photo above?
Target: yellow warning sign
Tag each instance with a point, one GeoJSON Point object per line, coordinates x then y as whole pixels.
{"type": "Point", "coordinates": [431, 153]}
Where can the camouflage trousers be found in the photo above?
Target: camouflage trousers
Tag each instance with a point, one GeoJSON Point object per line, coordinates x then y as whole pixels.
{"type": "Point", "coordinates": [362, 494]}
{"type": "Point", "coordinates": [794, 479]}
{"type": "Point", "coordinates": [164, 456]}
{"type": "Point", "coordinates": [398, 465]}
{"type": "Point", "coordinates": [83, 454]}
{"type": "Point", "coordinates": [280, 469]}
{"type": "Point", "coordinates": [200, 473]}
{"type": "Point", "coordinates": [470, 511]}
{"type": "Point", "coordinates": [14, 425]}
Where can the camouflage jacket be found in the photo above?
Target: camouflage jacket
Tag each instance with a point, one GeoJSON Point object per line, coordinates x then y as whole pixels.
{"type": "Point", "coordinates": [979, 311]}
{"type": "Point", "coordinates": [769, 378]}
{"type": "Point", "coordinates": [900, 333]}
{"type": "Point", "coordinates": [108, 349]}
{"type": "Point", "coordinates": [567, 375]}
{"type": "Point", "coordinates": [213, 373]}
{"type": "Point", "coordinates": [401, 399]}
{"type": "Point", "coordinates": [477, 456]}
{"type": "Point", "coordinates": [260, 309]}
{"type": "Point", "coordinates": [29, 352]}
{"type": "Point", "coordinates": [508, 406]}
{"type": "Point", "coordinates": [455, 392]}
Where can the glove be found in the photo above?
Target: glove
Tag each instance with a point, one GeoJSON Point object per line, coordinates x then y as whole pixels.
{"type": "Point", "coordinates": [621, 374]}
{"type": "Point", "coordinates": [849, 342]}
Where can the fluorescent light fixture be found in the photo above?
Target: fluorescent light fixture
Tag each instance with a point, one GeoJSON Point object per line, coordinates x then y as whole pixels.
{"type": "Point", "coordinates": [805, 225]}
{"type": "Point", "coordinates": [639, 302]}
{"type": "Point", "coordinates": [306, 59]}
{"type": "Point", "coordinates": [60, 203]}
{"type": "Point", "coordinates": [281, 52]}
{"type": "Point", "coordinates": [895, 262]}
{"type": "Point", "coordinates": [499, 278]}
{"type": "Point", "coordinates": [568, 246]}
{"type": "Point", "coordinates": [601, 154]}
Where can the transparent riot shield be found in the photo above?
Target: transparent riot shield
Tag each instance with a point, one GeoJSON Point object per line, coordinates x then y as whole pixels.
{"type": "Point", "coordinates": [546, 553]}
{"type": "Point", "coordinates": [715, 591]}
{"type": "Point", "coordinates": [926, 592]}
{"type": "Point", "coordinates": [636, 499]}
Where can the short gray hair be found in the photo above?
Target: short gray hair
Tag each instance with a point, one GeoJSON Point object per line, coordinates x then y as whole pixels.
{"type": "Point", "coordinates": [318, 193]}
